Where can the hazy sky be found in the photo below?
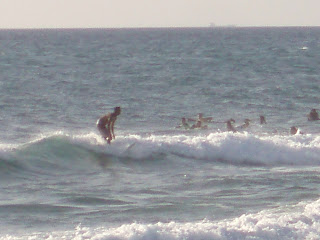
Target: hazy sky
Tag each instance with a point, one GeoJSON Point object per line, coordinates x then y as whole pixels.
{"type": "Point", "coordinates": [157, 13]}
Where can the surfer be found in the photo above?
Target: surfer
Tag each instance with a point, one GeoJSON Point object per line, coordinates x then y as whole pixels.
{"type": "Point", "coordinates": [229, 125]}
{"type": "Point", "coordinates": [105, 124]}
{"type": "Point", "coordinates": [263, 120]}
{"type": "Point", "coordinates": [313, 115]}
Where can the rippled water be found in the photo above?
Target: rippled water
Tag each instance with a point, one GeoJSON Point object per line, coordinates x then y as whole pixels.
{"type": "Point", "coordinates": [59, 179]}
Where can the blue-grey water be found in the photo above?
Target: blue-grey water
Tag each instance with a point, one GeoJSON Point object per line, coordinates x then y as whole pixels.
{"type": "Point", "coordinates": [60, 180]}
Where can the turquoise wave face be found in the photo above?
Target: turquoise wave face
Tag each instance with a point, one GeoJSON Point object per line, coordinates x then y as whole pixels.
{"type": "Point", "coordinates": [62, 154]}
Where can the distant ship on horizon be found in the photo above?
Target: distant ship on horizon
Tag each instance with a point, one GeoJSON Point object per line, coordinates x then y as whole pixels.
{"type": "Point", "coordinates": [213, 25]}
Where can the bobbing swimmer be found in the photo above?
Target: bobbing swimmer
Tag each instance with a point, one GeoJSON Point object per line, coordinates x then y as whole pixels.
{"type": "Point", "coordinates": [263, 120]}
{"type": "Point", "coordinates": [229, 125]}
{"type": "Point", "coordinates": [313, 115]}
{"type": "Point", "coordinates": [199, 125]}
{"type": "Point", "coordinates": [245, 125]}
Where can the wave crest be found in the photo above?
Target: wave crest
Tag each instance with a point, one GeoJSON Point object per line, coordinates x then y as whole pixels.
{"type": "Point", "coordinates": [63, 151]}
{"type": "Point", "coordinates": [240, 148]}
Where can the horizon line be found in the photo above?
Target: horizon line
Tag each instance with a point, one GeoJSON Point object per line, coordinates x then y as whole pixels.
{"type": "Point", "coordinates": [186, 27]}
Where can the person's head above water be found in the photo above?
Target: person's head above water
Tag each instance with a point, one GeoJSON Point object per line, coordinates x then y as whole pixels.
{"type": "Point", "coordinates": [231, 120]}
{"type": "Point", "coordinates": [293, 130]}
{"type": "Point", "coordinates": [117, 110]}
{"type": "Point", "coordinates": [313, 115]}
{"type": "Point", "coordinates": [262, 120]}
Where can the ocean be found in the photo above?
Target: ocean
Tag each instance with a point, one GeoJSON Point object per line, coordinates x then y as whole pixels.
{"type": "Point", "coordinates": [59, 179]}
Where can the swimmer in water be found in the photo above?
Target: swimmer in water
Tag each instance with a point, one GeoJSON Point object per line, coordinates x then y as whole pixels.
{"type": "Point", "coordinates": [294, 130]}
{"type": "Point", "coordinates": [313, 115]}
{"type": "Point", "coordinates": [105, 124]}
{"type": "Point", "coordinates": [229, 125]}
{"type": "Point", "coordinates": [245, 125]}
{"type": "Point", "coordinates": [199, 125]}
{"type": "Point", "coordinates": [184, 124]}
{"type": "Point", "coordinates": [263, 120]}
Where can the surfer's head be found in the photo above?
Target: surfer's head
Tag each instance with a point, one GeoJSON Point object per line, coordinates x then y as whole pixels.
{"type": "Point", "coordinates": [117, 110]}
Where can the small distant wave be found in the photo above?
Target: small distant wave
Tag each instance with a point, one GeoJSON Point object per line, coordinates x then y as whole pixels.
{"type": "Point", "coordinates": [62, 152]}
{"type": "Point", "coordinates": [34, 208]}
{"type": "Point", "coordinates": [299, 222]}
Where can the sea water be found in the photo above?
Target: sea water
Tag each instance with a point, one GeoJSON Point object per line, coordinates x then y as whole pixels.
{"type": "Point", "coordinates": [60, 180]}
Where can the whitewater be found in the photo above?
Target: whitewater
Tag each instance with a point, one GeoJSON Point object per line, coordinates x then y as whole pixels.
{"type": "Point", "coordinates": [208, 164]}
{"type": "Point", "coordinates": [60, 180]}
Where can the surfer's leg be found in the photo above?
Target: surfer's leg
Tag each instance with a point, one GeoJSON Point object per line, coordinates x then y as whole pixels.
{"type": "Point", "coordinates": [109, 138]}
{"type": "Point", "coordinates": [105, 133]}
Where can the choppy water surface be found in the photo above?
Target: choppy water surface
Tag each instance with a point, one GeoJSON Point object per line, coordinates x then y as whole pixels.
{"type": "Point", "coordinates": [59, 179]}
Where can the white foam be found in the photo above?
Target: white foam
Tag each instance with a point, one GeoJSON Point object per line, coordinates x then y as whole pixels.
{"type": "Point", "coordinates": [236, 148]}
{"type": "Point", "coordinates": [4, 147]}
{"type": "Point", "coordinates": [300, 222]}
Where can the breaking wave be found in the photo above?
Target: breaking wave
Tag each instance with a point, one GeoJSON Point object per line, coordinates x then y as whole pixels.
{"type": "Point", "coordinates": [63, 151]}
